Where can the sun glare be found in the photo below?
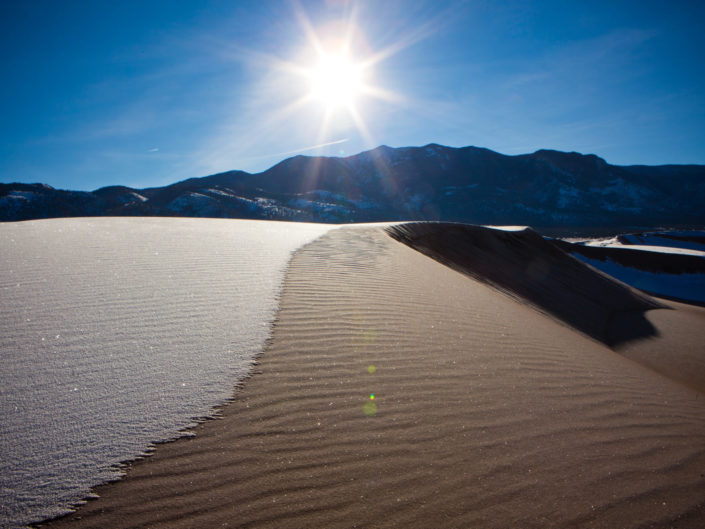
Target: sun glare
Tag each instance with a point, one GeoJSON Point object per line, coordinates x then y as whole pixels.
{"type": "Point", "coordinates": [336, 81]}
{"type": "Point", "coordinates": [334, 71]}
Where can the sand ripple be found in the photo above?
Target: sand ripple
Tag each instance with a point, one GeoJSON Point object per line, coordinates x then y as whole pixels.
{"type": "Point", "coordinates": [486, 414]}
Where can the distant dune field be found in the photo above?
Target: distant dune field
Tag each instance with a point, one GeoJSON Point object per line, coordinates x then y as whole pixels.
{"type": "Point", "coordinates": [397, 391]}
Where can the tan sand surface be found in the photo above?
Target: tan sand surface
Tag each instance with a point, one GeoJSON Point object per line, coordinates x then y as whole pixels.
{"type": "Point", "coordinates": [489, 414]}
{"type": "Point", "coordinates": [531, 270]}
{"type": "Point", "coordinates": [678, 351]}
{"type": "Point", "coordinates": [521, 264]}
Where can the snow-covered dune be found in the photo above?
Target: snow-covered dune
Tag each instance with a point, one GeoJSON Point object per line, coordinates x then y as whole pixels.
{"type": "Point", "coordinates": [115, 334]}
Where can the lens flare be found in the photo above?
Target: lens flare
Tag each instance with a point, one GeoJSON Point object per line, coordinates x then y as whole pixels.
{"type": "Point", "coordinates": [369, 409]}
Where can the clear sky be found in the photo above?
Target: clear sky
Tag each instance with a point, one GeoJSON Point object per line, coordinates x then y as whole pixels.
{"type": "Point", "coordinates": [145, 93]}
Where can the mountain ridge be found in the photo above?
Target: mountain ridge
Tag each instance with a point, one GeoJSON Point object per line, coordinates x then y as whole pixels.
{"type": "Point", "coordinates": [547, 188]}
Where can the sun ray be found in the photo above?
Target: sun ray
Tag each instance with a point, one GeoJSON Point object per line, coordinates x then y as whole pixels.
{"type": "Point", "coordinates": [289, 109]}
{"type": "Point", "coordinates": [421, 33]}
{"type": "Point", "coordinates": [382, 94]}
{"type": "Point", "coordinates": [378, 161]}
{"type": "Point", "coordinates": [332, 75]}
{"type": "Point", "coordinates": [350, 29]}
{"type": "Point", "coordinates": [309, 31]}
{"type": "Point", "coordinates": [361, 126]}
{"type": "Point", "coordinates": [310, 178]}
{"type": "Point", "coordinates": [323, 128]}
{"type": "Point", "coordinates": [287, 93]}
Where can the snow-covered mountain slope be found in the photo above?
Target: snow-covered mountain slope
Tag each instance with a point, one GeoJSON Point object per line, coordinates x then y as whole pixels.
{"type": "Point", "coordinates": [470, 184]}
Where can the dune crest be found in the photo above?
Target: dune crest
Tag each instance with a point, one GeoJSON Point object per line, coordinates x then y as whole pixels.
{"type": "Point", "coordinates": [523, 265]}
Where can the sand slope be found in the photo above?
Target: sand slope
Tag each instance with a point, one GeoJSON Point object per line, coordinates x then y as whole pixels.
{"type": "Point", "coordinates": [531, 270]}
{"type": "Point", "coordinates": [488, 414]}
{"type": "Point", "coordinates": [523, 265]}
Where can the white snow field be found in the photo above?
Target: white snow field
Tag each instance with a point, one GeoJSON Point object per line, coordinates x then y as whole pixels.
{"type": "Point", "coordinates": [686, 242]}
{"type": "Point", "coordinates": [684, 287]}
{"type": "Point", "coordinates": [116, 333]}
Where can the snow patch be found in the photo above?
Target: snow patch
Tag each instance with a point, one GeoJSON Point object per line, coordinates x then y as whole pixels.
{"type": "Point", "coordinates": [24, 196]}
{"type": "Point", "coordinates": [689, 287]}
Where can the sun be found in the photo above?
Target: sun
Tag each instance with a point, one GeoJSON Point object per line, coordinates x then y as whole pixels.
{"type": "Point", "coordinates": [336, 81]}
{"type": "Point", "coordinates": [332, 80]}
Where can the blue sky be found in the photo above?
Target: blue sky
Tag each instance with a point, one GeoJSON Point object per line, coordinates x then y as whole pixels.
{"type": "Point", "coordinates": [145, 93]}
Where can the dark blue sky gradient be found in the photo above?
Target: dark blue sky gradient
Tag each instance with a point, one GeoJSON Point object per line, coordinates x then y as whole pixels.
{"type": "Point", "coordinates": [144, 93]}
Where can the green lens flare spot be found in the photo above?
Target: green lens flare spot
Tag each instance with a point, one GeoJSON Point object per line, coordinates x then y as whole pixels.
{"type": "Point", "coordinates": [369, 409]}
{"type": "Point", "coordinates": [371, 369]}
{"type": "Point", "coordinates": [372, 396]}
{"type": "Point", "coordinates": [369, 336]}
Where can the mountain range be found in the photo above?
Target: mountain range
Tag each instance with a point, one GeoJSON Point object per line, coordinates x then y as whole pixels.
{"type": "Point", "coordinates": [546, 189]}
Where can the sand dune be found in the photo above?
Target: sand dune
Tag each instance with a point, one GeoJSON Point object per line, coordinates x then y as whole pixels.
{"type": "Point", "coordinates": [117, 332]}
{"type": "Point", "coordinates": [525, 266]}
{"type": "Point", "coordinates": [521, 264]}
{"type": "Point", "coordinates": [486, 413]}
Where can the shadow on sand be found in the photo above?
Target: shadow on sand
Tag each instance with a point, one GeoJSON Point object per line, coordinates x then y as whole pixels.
{"type": "Point", "coordinates": [532, 270]}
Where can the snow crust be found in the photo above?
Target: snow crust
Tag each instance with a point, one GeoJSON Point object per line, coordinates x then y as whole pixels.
{"type": "Point", "coordinates": [117, 333]}
{"type": "Point", "coordinates": [508, 228]}
{"type": "Point", "coordinates": [689, 287]}
{"type": "Point", "coordinates": [649, 248]}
